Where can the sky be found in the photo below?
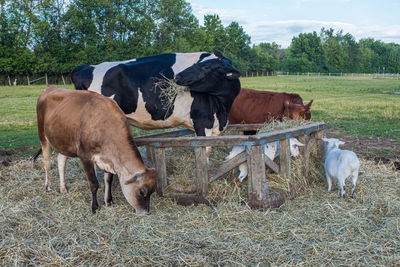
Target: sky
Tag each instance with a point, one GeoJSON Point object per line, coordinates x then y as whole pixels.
{"type": "Point", "coordinates": [279, 21]}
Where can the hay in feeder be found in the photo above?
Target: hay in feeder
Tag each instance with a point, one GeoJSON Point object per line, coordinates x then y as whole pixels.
{"type": "Point", "coordinates": [276, 125]}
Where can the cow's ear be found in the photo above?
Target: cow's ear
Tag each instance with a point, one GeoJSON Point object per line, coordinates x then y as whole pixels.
{"type": "Point", "coordinates": [218, 54]}
{"type": "Point", "coordinates": [309, 104]}
{"type": "Point", "coordinates": [233, 74]}
{"type": "Point", "coordinates": [134, 178]}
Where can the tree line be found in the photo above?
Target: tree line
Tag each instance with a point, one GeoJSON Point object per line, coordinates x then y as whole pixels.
{"type": "Point", "coordinates": [54, 36]}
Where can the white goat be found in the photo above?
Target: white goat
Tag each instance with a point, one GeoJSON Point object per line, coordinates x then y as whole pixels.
{"type": "Point", "coordinates": [340, 164]}
{"type": "Point", "coordinates": [271, 150]}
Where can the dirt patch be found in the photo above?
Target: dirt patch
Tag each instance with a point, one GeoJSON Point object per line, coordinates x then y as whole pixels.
{"type": "Point", "coordinates": [378, 149]}
{"type": "Point", "coordinates": [7, 156]}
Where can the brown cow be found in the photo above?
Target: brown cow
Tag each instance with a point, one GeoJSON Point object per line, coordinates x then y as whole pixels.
{"type": "Point", "coordinates": [253, 106]}
{"type": "Point", "coordinates": [92, 127]}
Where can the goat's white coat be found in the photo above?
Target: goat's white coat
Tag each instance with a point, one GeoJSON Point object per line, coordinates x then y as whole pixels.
{"type": "Point", "coordinates": [270, 150]}
{"type": "Point", "coordinates": [340, 165]}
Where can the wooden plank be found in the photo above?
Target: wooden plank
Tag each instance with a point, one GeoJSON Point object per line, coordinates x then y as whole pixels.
{"type": "Point", "coordinates": [159, 162]}
{"type": "Point", "coordinates": [295, 131]}
{"type": "Point", "coordinates": [201, 170]}
{"type": "Point", "coordinates": [320, 145]}
{"type": "Point", "coordinates": [259, 186]}
{"type": "Point", "coordinates": [228, 140]}
{"type": "Point", "coordinates": [284, 158]}
{"type": "Point", "coordinates": [228, 165]}
{"type": "Point", "coordinates": [150, 154]}
{"type": "Point", "coordinates": [270, 164]}
{"type": "Point", "coordinates": [174, 133]}
{"type": "Point", "coordinates": [243, 127]}
{"type": "Point", "coordinates": [303, 151]}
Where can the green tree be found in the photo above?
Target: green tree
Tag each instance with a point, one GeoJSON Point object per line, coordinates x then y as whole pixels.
{"type": "Point", "coordinates": [305, 53]}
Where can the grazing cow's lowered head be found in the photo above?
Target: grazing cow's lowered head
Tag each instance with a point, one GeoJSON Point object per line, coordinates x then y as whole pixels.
{"type": "Point", "coordinates": [92, 127]}
{"type": "Point", "coordinates": [297, 111]}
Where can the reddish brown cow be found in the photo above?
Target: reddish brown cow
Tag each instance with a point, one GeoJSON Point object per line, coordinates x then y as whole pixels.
{"type": "Point", "coordinates": [92, 127]}
{"type": "Point", "coordinates": [253, 106]}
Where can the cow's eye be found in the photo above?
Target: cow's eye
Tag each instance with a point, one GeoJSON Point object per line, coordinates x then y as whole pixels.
{"type": "Point", "coordinates": [141, 192]}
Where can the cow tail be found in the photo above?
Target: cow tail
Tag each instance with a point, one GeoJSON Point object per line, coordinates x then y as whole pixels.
{"type": "Point", "coordinates": [37, 155]}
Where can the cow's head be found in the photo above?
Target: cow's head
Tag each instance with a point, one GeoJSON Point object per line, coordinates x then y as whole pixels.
{"type": "Point", "coordinates": [204, 76]}
{"type": "Point", "coordinates": [138, 188]}
{"type": "Point", "coordinates": [297, 111]}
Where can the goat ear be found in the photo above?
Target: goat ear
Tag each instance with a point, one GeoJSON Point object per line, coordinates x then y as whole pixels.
{"type": "Point", "coordinates": [134, 178]}
{"type": "Point", "coordinates": [297, 142]}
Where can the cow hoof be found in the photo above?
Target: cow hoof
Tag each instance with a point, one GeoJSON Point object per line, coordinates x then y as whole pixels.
{"type": "Point", "coordinates": [63, 190]}
{"type": "Point", "coordinates": [109, 203]}
{"type": "Point", "coordinates": [142, 213]}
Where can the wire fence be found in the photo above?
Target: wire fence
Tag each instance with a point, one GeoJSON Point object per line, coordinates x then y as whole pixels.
{"type": "Point", "coordinates": [321, 74]}
{"type": "Point", "coordinates": [63, 79]}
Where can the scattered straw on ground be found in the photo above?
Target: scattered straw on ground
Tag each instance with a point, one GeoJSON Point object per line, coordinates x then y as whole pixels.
{"type": "Point", "coordinates": [317, 228]}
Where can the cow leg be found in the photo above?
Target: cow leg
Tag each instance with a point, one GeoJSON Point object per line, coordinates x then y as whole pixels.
{"type": "Point", "coordinates": [88, 166]}
{"type": "Point", "coordinates": [47, 163]}
{"type": "Point", "coordinates": [108, 178]}
{"type": "Point", "coordinates": [62, 160]}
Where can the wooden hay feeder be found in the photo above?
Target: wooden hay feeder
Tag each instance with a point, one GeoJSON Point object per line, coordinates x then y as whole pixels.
{"type": "Point", "coordinates": [259, 194]}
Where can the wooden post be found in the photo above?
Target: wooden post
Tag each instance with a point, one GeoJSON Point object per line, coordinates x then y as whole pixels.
{"type": "Point", "coordinates": [201, 170]}
{"type": "Point", "coordinates": [159, 162]}
{"type": "Point", "coordinates": [284, 158]}
{"type": "Point", "coordinates": [306, 153]}
{"type": "Point", "coordinates": [9, 80]}
{"type": "Point", "coordinates": [27, 78]}
{"type": "Point", "coordinates": [256, 174]}
{"type": "Point", "coordinates": [62, 77]}
{"type": "Point", "coordinates": [47, 83]}
{"type": "Point", "coordinates": [320, 145]}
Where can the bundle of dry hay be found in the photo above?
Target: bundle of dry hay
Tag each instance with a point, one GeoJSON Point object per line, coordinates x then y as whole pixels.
{"type": "Point", "coordinates": [168, 90]}
{"type": "Point", "coordinates": [276, 125]}
{"type": "Point", "coordinates": [317, 228]}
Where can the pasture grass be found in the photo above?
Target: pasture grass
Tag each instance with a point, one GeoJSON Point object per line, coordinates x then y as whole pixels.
{"type": "Point", "coordinates": [355, 106]}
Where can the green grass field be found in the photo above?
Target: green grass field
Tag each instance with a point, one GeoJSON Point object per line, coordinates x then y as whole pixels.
{"type": "Point", "coordinates": [355, 106]}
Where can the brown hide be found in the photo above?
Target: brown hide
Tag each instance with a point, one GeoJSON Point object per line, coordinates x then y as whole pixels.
{"type": "Point", "coordinates": [92, 127]}
{"type": "Point", "coordinates": [253, 106]}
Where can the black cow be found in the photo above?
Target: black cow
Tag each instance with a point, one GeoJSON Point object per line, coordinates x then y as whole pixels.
{"type": "Point", "coordinates": [212, 81]}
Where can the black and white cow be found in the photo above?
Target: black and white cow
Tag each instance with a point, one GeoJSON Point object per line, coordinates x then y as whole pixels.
{"type": "Point", "coordinates": [212, 81]}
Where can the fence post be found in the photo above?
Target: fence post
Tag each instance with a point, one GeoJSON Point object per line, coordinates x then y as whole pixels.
{"type": "Point", "coordinates": [47, 83]}
{"type": "Point", "coordinates": [9, 80]}
{"type": "Point", "coordinates": [27, 78]}
{"type": "Point", "coordinates": [159, 162]}
{"type": "Point", "coordinates": [284, 159]}
{"type": "Point", "coordinates": [258, 187]}
{"type": "Point", "coordinates": [201, 170]}
{"type": "Point", "coordinates": [62, 77]}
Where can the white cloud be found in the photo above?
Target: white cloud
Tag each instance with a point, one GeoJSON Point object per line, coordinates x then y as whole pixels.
{"type": "Point", "coordinates": [226, 15]}
{"type": "Point", "coordinates": [283, 31]}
